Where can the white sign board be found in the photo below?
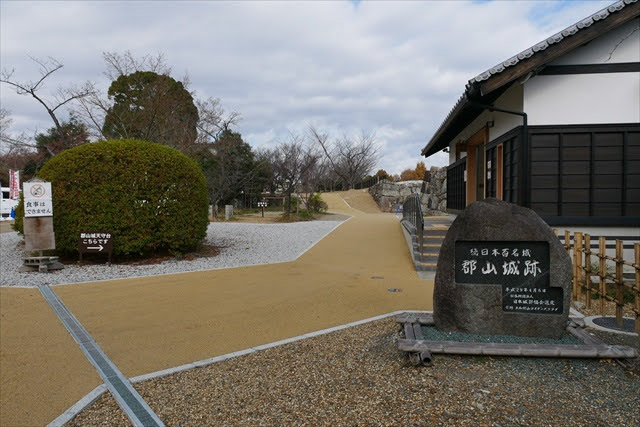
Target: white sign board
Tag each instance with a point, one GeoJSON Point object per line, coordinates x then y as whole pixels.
{"type": "Point", "coordinates": [37, 199]}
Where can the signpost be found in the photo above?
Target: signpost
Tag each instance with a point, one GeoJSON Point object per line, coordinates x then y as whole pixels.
{"type": "Point", "coordinates": [38, 225]}
{"type": "Point", "coordinates": [97, 243]}
{"type": "Point", "coordinates": [262, 205]}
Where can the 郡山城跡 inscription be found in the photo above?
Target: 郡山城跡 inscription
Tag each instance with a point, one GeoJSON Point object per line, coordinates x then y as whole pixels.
{"type": "Point", "coordinates": [502, 271]}
{"type": "Point", "coordinates": [522, 268]}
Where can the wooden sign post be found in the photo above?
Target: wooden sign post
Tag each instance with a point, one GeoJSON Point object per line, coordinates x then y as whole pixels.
{"type": "Point", "coordinates": [38, 226]}
{"type": "Point", "coordinates": [96, 243]}
{"type": "Point", "coordinates": [262, 205]}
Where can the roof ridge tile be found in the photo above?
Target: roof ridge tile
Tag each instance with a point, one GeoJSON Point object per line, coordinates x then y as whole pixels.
{"type": "Point", "coordinates": [555, 38]}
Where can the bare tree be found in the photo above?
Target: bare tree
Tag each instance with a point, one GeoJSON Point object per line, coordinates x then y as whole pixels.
{"type": "Point", "coordinates": [350, 158]}
{"type": "Point", "coordinates": [212, 119]}
{"type": "Point", "coordinates": [313, 178]}
{"type": "Point", "coordinates": [291, 162]}
{"type": "Point", "coordinates": [60, 98]}
{"type": "Point", "coordinates": [123, 64]}
{"type": "Point", "coordinates": [9, 141]}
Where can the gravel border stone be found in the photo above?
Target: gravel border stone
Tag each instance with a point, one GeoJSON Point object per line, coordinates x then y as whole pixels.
{"type": "Point", "coordinates": [241, 244]}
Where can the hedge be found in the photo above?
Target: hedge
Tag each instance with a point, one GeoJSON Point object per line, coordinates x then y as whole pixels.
{"type": "Point", "coordinates": [151, 197]}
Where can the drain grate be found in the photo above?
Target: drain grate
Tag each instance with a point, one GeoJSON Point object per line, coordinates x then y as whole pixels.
{"type": "Point", "coordinates": [377, 277]}
{"type": "Point", "coordinates": [127, 397]}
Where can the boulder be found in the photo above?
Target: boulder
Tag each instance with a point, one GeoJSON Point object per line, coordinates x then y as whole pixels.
{"type": "Point", "coordinates": [502, 271]}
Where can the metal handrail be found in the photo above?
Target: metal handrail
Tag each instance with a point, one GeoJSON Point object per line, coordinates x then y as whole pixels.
{"type": "Point", "coordinates": [412, 213]}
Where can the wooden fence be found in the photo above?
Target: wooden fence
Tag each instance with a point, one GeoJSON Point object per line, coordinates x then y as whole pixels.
{"type": "Point", "coordinates": [597, 275]}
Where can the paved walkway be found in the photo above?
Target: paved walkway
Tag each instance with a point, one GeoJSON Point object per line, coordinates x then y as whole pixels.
{"type": "Point", "coordinates": [153, 323]}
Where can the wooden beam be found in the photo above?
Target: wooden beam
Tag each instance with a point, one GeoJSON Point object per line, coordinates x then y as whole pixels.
{"type": "Point", "coordinates": [522, 350]}
{"type": "Point", "coordinates": [624, 67]}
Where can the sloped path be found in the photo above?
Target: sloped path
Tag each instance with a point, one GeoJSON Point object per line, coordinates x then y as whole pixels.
{"type": "Point", "coordinates": [153, 323]}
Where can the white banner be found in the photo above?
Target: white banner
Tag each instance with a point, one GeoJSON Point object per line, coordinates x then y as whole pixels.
{"type": "Point", "coordinates": [14, 185]}
{"type": "Point", "coordinates": [37, 199]}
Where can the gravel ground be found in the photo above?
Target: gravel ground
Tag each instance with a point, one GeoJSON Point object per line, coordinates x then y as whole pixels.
{"type": "Point", "coordinates": [241, 244]}
{"type": "Point", "coordinates": [357, 377]}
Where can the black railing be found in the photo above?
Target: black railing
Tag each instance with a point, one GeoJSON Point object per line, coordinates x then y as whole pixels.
{"type": "Point", "coordinates": [412, 215]}
{"type": "Point", "coordinates": [456, 185]}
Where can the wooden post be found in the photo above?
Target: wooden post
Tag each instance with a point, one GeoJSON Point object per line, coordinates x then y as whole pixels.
{"type": "Point", "coordinates": [619, 282]}
{"type": "Point", "coordinates": [577, 265]}
{"type": "Point", "coordinates": [587, 267]}
{"type": "Point", "coordinates": [603, 272]}
{"type": "Point", "coordinates": [567, 241]}
{"type": "Point", "coordinates": [636, 248]}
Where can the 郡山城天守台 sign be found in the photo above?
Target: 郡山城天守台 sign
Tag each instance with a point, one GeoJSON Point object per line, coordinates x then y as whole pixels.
{"type": "Point", "coordinates": [95, 242]}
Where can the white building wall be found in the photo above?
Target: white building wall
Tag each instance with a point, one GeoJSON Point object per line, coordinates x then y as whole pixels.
{"type": "Point", "coordinates": [590, 98]}
{"type": "Point", "coordinates": [583, 99]}
{"type": "Point", "coordinates": [572, 99]}
{"type": "Point", "coordinates": [619, 45]}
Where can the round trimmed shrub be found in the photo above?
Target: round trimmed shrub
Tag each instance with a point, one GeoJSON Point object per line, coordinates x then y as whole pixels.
{"type": "Point", "coordinates": [149, 196]}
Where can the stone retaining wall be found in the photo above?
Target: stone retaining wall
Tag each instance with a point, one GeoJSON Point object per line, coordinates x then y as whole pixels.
{"type": "Point", "coordinates": [388, 194]}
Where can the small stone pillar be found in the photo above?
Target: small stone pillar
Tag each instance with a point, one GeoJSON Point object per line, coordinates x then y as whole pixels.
{"type": "Point", "coordinates": [228, 212]}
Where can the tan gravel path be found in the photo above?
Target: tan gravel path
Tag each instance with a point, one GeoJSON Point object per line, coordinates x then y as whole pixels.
{"type": "Point", "coordinates": [42, 369]}
{"type": "Point", "coordinates": [153, 323]}
{"type": "Point", "coordinates": [358, 199]}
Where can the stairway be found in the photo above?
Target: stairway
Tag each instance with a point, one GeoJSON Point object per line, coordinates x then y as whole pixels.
{"type": "Point", "coordinates": [435, 230]}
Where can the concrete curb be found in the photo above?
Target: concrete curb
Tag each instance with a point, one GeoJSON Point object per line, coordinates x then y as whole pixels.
{"type": "Point", "coordinates": [77, 407]}
{"type": "Point", "coordinates": [87, 400]}
{"type": "Point", "coordinates": [589, 322]}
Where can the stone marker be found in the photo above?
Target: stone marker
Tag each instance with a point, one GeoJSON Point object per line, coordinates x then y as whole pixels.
{"type": "Point", "coordinates": [502, 271]}
{"type": "Point", "coordinates": [228, 212]}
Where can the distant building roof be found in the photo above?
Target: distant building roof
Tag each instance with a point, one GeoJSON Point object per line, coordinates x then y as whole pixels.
{"type": "Point", "coordinates": [487, 86]}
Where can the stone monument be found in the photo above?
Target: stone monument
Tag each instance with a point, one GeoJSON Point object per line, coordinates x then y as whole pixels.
{"type": "Point", "coordinates": [502, 271]}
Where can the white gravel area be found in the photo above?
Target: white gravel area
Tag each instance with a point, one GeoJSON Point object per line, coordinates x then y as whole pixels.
{"type": "Point", "coordinates": [241, 244]}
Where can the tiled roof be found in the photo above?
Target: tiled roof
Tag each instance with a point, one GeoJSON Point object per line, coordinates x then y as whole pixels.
{"type": "Point", "coordinates": [463, 101]}
{"type": "Point", "coordinates": [556, 38]}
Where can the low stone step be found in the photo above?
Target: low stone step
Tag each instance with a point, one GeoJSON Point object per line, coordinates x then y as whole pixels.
{"type": "Point", "coordinates": [435, 230]}
{"type": "Point", "coordinates": [431, 245]}
{"type": "Point", "coordinates": [433, 240]}
{"type": "Point", "coordinates": [439, 237]}
{"type": "Point", "coordinates": [427, 266]}
{"type": "Point", "coordinates": [429, 258]}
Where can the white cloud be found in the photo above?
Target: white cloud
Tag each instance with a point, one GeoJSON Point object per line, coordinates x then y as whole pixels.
{"type": "Point", "coordinates": [393, 67]}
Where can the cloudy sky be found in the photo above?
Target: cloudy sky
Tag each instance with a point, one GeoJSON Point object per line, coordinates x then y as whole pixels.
{"type": "Point", "coordinates": [395, 68]}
